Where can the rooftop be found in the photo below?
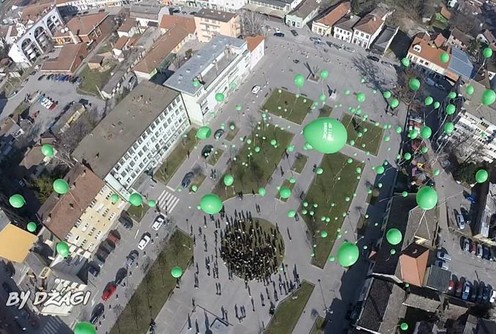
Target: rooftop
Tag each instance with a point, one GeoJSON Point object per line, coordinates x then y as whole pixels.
{"type": "Point", "coordinates": [34, 11]}
{"type": "Point", "coordinates": [161, 49]}
{"type": "Point", "coordinates": [473, 106]}
{"type": "Point", "coordinates": [215, 15]}
{"type": "Point", "coordinates": [66, 117]}
{"type": "Point", "coordinates": [423, 299]}
{"type": "Point", "coordinates": [437, 278]}
{"type": "Point", "coordinates": [337, 13]}
{"type": "Point", "coordinates": [66, 58]}
{"type": "Point", "coordinates": [460, 63]}
{"type": "Point", "coordinates": [127, 25]}
{"type": "Point", "coordinates": [16, 243]}
{"type": "Point", "coordinates": [262, 9]}
{"type": "Point", "coordinates": [275, 3]}
{"type": "Point", "coordinates": [59, 213]}
{"type": "Point", "coordinates": [413, 264]}
{"type": "Point", "coordinates": [32, 158]}
{"type": "Point", "coordinates": [461, 36]}
{"type": "Point", "coordinates": [254, 41]}
{"type": "Point", "coordinates": [347, 22]}
{"type": "Point", "coordinates": [83, 25]}
{"type": "Point", "coordinates": [170, 21]}
{"type": "Point", "coordinates": [422, 224]}
{"type": "Point", "coordinates": [370, 23]}
{"type": "Point", "coordinates": [183, 78]}
{"type": "Point", "coordinates": [121, 42]}
{"type": "Point", "coordinates": [118, 131]}
{"type": "Point", "coordinates": [305, 8]}
{"type": "Point", "coordinates": [428, 52]}
{"type": "Point", "coordinates": [145, 9]}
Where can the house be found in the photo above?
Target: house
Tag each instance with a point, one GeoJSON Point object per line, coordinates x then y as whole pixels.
{"type": "Point", "coordinates": [213, 22]}
{"type": "Point", "coordinates": [120, 45]}
{"type": "Point", "coordinates": [324, 25]}
{"type": "Point", "coordinates": [272, 8]}
{"type": "Point", "coordinates": [170, 21]}
{"type": "Point", "coordinates": [128, 28]}
{"type": "Point", "coordinates": [303, 14]}
{"type": "Point", "coordinates": [95, 62]}
{"type": "Point", "coordinates": [256, 46]}
{"type": "Point", "coordinates": [459, 39]}
{"type": "Point", "coordinates": [15, 240]}
{"type": "Point", "coordinates": [89, 29]}
{"type": "Point", "coordinates": [425, 53]}
{"type": "Point", "coordinates": [147, 13]}
{"type": "Point", "coordinates": [445, 13]}
{"type": "Point", "coordinates": [368, 28]}
{"type": "Point", "coordinates": [488, 38]}
{"type": "Point", "coordinates": [343, 29]}
{"type": "Point", "coordinates": [68, 61]}
{"type": "Point", "coordinates": [33, 164]}
{"type": "Point", "coordinates": [384, 40]}
{"type": "Point", "coordinates": [67, 118]}
{"type": "Point", "coordinates": [9, 132]}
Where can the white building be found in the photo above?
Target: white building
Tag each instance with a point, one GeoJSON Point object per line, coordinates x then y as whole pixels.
{"type": "Point", "coordinates": [303, 14]}
{"type": "Point", "coordinates": [369, 27]}
{"type": "Point", "coordinates": [223, 5]}
{"type": "Point", "coordinates": [135, 136]}
{"type": "Point", "coordinates": [343, 29]}
{"type": "Point", "coordinates": [72, 6]}
{"type": "Point", "coordinates": [323, 26]}
{"type": "Point", "coordinates": [256, 46]}
{"type": "Point", "coordinates": [218, 68]}
{"type": "Point", "coordinates": [35, 34]}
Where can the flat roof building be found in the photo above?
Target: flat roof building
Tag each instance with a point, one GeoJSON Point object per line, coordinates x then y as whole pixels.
{"type": "Point", "coordinates": [214, 22]}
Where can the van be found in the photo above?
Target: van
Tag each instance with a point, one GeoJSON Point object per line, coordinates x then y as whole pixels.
{"type": "Point", "coordinates": [460, 221]}
{"type": "Point", "coordinates": [113, 238]}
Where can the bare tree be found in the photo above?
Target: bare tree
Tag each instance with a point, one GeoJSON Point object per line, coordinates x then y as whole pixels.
{"type": "Point", "coordinates": [252, 23]}
{"type": "Point", "coordinates": [71, 138]}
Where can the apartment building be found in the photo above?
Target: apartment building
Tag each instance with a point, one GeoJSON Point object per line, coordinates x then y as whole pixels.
{"type": "Point", "coordinates": [219, 67]}
{"type": "Point", "coordinates": [211, 22]}
{"type": "Point", "coordinates": [323, 26]}
{"type": "Point", "coordinates": [135, 136]}
{"type": "Point", "coordinates": [85, 214]}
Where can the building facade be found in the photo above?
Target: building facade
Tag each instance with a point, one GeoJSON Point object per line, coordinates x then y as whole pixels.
{"type": "Point", "coordinates": [369, 27]}
{"type": "Point", "coordinates": [218, 68]}
{"type": "Point", "coordinates": [73, 6]}
{"type": "Point", "coordinates": [343, 29]}
{"type": "Point", "coordinates": [210, 23]}
{"type": "Point", "coordinates": [303, 14]}
{"type": "Point", "coordinates": [256, 46]}
{"type": "Point", "coordinates": [135, 136]}
{"type": "Point", "coordinates": [324, 25]}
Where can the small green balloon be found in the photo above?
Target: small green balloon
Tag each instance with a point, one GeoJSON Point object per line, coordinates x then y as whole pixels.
{"type": "Point", "coordinates": [448, 128]}
{"type": "Point", "coordinates": [469, 90]}
{"type": "Point", "coordinates": [405, 62]}
{"type": "Point", "coordinates": [360, 97]}
{"type": "Point", "coordinates": [407, 156]}
{"type": "Point", "coordinates": [487, 53]}
{"type": "Point", "coordinates": [262, 191]}
{"type": "Point", "coordinates": [452, 95]}
{"type": "Point", "coordinates": [291, 213]}
{"type": "Point", "coordinates": [136, 199]}
{"type": "Point", "coordinates": [379, 169]}
{"type": "Point", "coordinates": [398, 129]}
{"type": "Point", "coordinates": [436, 172]}
{"type": "Point", "coordinates": [488, 97]}
{"type": "Point", "coordinates": [404, 326]}
{"type": "Point", "coordinates": [450, 109]}
{"type": "Point", "coordinates": [425, 132]}
{"type": "Point", "coordinates": [324, 74]}
{"type": "Point", "coordinates": [84, 327]}
{"type": "Point", "coordinates": [394, 236]}
{"type": "Point", "coordinates": [17, 201]}
{"type": "Point", "coordinates": [481, 176]}
{"type": "Point", "coordinates": [424, 150]}
{"type": "Point", "coordinates": [285, 192]}
{"type": "Point", "coordinates": [194, 188]}
{"type": "Point", "coordinates": [228, 180]}
{"type": "Point", "coordinates": [219, 97]}
{"type": "Point", "coordinates": [323, 234]}
{"type": "Point", "coordinates": [444, 57]}
{"type": "Point", "coordinates": [404, 194]}
{"type": "Point", "coordinates": [387, 94]}
{"type": "Point", "coordinates": [62, 249]}
{"type": "Point", "coordinates": [152, 203]}
{"type": "Point", "coordinates": [299, 80]}
{"type": "Point", "coordinates": [437, 104]}
{"type": "Point", "coordinates": [203, 132]}
{"type": "Point", "coordinates": [319, 171]}
{"type": "Point", "coordinates": [114, 198]}
{"type": "Point", "coordinates": [47, 150]}
{"type": "Point", "coordinates": [414, 84]}
{"type": "Point", "coordinates": [428, 100]}
{"type": "Point", "coordinates": [60, 186]}
{"type": "Point", "coordinates": [394, 103]}
{"type": "Point", "coordinates": [176, 272]}
{"type": "Point", "coordinates": [31, 227]}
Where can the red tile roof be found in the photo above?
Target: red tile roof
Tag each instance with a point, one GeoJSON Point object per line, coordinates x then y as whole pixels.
{"type": "Point", "coordinates": [85, 24]}
{"type": "Point", "coordinates": [428, 52]}
{"type": "Point", "coordinates": [335, 14]}
{"type": "Point", "coordinates": [254, 41]}
{"type": "Point", "coordinates": [170, 21]}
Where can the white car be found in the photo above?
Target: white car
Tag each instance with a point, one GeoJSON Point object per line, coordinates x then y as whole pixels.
{"type": "Point", "coordinates": [46, 103]}
{"type": "Point", "coordinates": [145, 239]}
{"type": "Point", "coordinates": [255, 89]}
{"type": "Point", "coordinates": [158, 222]}
{"type": "Point", "coordinates": [441, 264]}
{"type": "Point", "coordinates": [460, 221]}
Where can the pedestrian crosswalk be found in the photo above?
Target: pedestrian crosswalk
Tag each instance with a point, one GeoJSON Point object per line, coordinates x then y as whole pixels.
{"type": "Point", "coordinates": [54, 325]}
{"type": "Point", "coordinates": [167, 201]}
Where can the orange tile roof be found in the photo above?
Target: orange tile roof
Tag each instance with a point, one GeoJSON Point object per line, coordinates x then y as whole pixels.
{"type": "Point", "coordinates": [121, 42]}
{"type": "Point", "coordinates": [254, 41]}
{"type": "Point", "coordinates": [32, 12]}
{"type": "Point", "coordinates": [428, 52]}
{"type": "Point", "coordinates": [445, 12]}
{"type": "Point", "coordinates": [85, 24]}
{"type": "Point", "coordinates": [335, 14]}
{"type": "Point", "coordinates": [369, 24]}
{"type": "Point", "coordinates": [15, 243]}
{"type": "Point", "coordinates": [127, 25]}
{"type": "Point", "coordinates": [170, 21]}
{"type": "Point", "coordinates": [161, 49]}
{"type": "Point", "coordinates": [413, 263]}
{"type": "Point", "coordinates": [439, 40]}
{"type": "Point", "coordinates": [66, 58]}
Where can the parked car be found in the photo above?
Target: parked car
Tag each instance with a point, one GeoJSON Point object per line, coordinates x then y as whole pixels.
{"type": "Point", "coordinates": [480, 292]}
{"type": "Point", "coordinates": [101, 255]}
{"type": "Point", "coordinates": [113, 238]}
{"type": "Point", "coordinates": [473, 293]}
{"type": "Point", "coordinates": [145, 239]}
{"type": "Point", "coordinates": [294, 32]}
{"type": "Point", "coordinates": [466, 244]}
{"type": "Point", "coordinates": [255, 89]}
{"type": "Point", "coordinates": [430, 82]}
{"type": "Point", "coordinates": [41, 77]}
{"type": "Point", "coordinates": [443, 256]}
{"type": "Point", "coordinates": [473, 247]}
{"type": "Point", "coordinates": [459, 288]}
{"type": "Point", "coordinates": [158, 222]}
{"type": "Point", "coordinates": [479, 251]}
{"type": "Point", "coordinates": [441, 264]}
{"type": "Point", "coordinates": [133, 256]}
{"type": "Point", "coordinates": [109, 291]}
{"type": "Point", "coordinates": [99, 263]}
{"type": "Point", "coordinates": [126, 221]}
{"type": "Point", "coordinates": [460, 221]}
{"type": "Point", "coordinates": [207, 149]}
{"type": "Point", "coordinates": [315, 39]}
{"type": "Point", "coordinates": [106, 246]}
{"type": "Point", "coordinates": [451, 287]}
{"type": "Point", "coordinates": [186, 181]}
{"type": "Point", "coordinates": [218, 133]}
{"type": "Point", "coordinates": [296, 61]}
{"type": "Point", "coordinates": [279, 34]}
{"type": "Point", "coordinates": [97, 313]}
{"type": "Point", "coordinates": [373, 58]}
{"type": "Point", "coordinates": [486, 253]}
{"type": "Point", "coordinates": [466, 290]}
{"type": "Point", "coordinates": [486, 295]}
{"type": "Point", "coordinates": [93, 270]}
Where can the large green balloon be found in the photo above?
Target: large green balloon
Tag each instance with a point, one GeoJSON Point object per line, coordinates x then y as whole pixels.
{"type": "Point", "coordinates": [425, 132]}
{"type": "Point", "coordinates": [394, 236]}
{"type": "Point", "coordinates": [285, 192]}
{"type": "Point", "coordinates": [444, 57]}
{"type": "Point", "coordinates": [17, 201]}
{"type": "Point", "coordinates": [299, 80]}
{"type": "Point", "coordinates": [469, 90]}
{"type": "Point", "coordinates": [211, 204]}
{"type": "Point", "coordinates": [487, 53]}
{"type": "Point", "coordinates": [203, 133]}
{"type": "Point", "coordinates": [228, 180]}
{"type": "Point", "coordinates": [31, 226]}
{"type": "Point", "coordinates": [219, 97]}
{"type": "Point", "coordinates": [360, 97]}
{"type": "Point", "coordinates": [60, 186]}
{"type": "Point", "coordinates": [387, 94]}
{"type": "Point", "coordinates": [428, 100]}
{"type": "Point", "coordinates": [136, 199]}
{"type": "Point", "coordinates": [62, 249]}
{"type": "Point", "coordinates": [348, 254]}
{"type": "Point", "coordinates": [488, 97]}
{"type": "Point", "coordinates": [414, 84]}
{"type": "Point", "coordinates": [426, 198]}
{"type": "Point", "coordinates": [326, 135]}
{"type": "Point", "coordinates": [394, 103]}
{"type": "Point", "coordinates": [324, 74]}
{"type": "Point", "coordinates": [481, 176]}
{"type": "Point", "coordinates": [176, 272]}
{"type": "Point", "coordinates": [450, 109]}
{"type": "Point", "coordinates": [84, 327]}
{"type": "Point", "coordinates": [47, 150]}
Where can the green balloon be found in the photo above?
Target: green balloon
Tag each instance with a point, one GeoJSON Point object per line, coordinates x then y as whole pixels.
{"type": "Point", "coordinates": [404, 326]}
{"type": "Point", "coordinates": [404, 193]}
{"type": "Point", "coordinates": [379, 169]}
{"type": "Point", "coordinates": [387, 94]}
{"type": "Point", "coordinates": [17, 201]}
{"type": "Point", "coordinates": [414, 84]}
{"type": "Point", "coordinates": [413, 134]}
{"type": "Point", "coordinates": [428, 100]}
{"type": "Point", "coordinates": [488, 97]}
{"type": "Point", "coordinates": [211, 204]}
{"type": "Point", "coordinates": [62, 248]}
{"type": "Point", "coordinates": [299, 80]}
{"type": "Point", "coordinates": [194, 188]}
{"type": "Point", "coordinates": [426, 198]}
{"type": "Point", "coordinates": [405, 62]}
{"type": "Point", "coordinates": [228, 180]}
{"type": "Point", "coordinates": [31, 226]}
{"type": "Point", "coordinates": [394, 236]}
{"type": "Point", "coordinates": [273, 142]}
{"type": "Point", "coordinates": [487, 53]}
{"type": "Point", "coordinates": [60, 186]}
{"type": "Point", "coordinates": [425, 132]}
{"type": "Point", "coordinates": [398, 129]}
{"type": "Point", "coordinates": [284, 192]}
{"type": "Point", "coordinates": [348, 254]}
{"type": "Point", "coordinates": [152, 203]}
{"type": "Point", "coordinates": [114, 198]}
{"type": "Point", "coordinates": [394, 103]}
{"type": "Point", "coordinates": [84, 327]}
{"type": "Point", "coordinates": [203, 133]}
{"type": "Point", "coordinates": [360, 97]}
{"type": "Point", "coordinates": [326, 135]}
{"type": "Point", "coordinates": [319, 171]}
{"type": "Point", "coordinates": [481, 176]}
{"type": "Point", "coordinates": [450, 109]}
{"type": "Point", "coordinates": [469, 90]}
{"type": "Point", "coordinates": [290, 148]}
{"type": "Point", "coordinates": [436, 172]}
{"type": "Point", "coordinates": [219, 97]}
{"type": "Point", "coordinates": [47, 150]}
{"type": "Point", "coordinates": [322, 97]}
{"type": "Point", "coordinates": [407, 156]}
{"type": "Point", "coordinates": [324, 74]}
{"type": "Point", "coordinates": [176, 272]}
{"type": "Point", "coordinates": [136, 199]}
{"type": "Point", "coordinates": [437, 104]}
{"type": "Point", "coordinates": [196, 83]}
{"type": "Point", "coordinates": [262, 191]}
{"type": "Point", "coordinates": [444, 57]}
{"type": "Point", "coordinates": [291, 213]}
{"type": "Point", "coordinates": [452, 95]}
{"type": "Point", "coordinates": [424, 149]}
{"type": "Point", "coordinates": [323, 234]}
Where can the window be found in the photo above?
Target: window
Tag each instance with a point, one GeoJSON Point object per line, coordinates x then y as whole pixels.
{"type": "Point", "coordinates": [77, 223]}
{"type": "Point", "coordinates": [93, 202]}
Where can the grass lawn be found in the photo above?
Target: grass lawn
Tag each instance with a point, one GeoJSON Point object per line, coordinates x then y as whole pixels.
{"type": "Point", "coordinates": [214, 156]}
{"type": "Point", "coordinates": [176, 157]}
{"type": "Point", "coordinates": [288, 106]}
{"type": "Point", "coordinates": [299, 164]}
{"type": "Point", "coordinates": [289, 311]}
{"type": "Point", "coordinates": [137, 212]}
{"type": "Point", "coordinates": [337, 183]}
{"type": "Point", "coordinates": [91, 79]}
{"type": "Point", "coordinates": [251, 173]}
{"type": "Point", "coordinates": [317, 326]}
{"type": "Point", "coordinates": [289, 185]}
{"type": "Point", "coordinates": [370, 140]}
{"type": "Point", "coordinates": [325, 111]}
{"type": "Point", "coordinates": [150, 296]}
{"type": "Point", "coordinates": [231, 134]}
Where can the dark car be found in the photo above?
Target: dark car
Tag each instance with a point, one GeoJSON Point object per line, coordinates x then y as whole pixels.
{"type": "Point", "coordinates": [294, 32]}
{"type": "Point", "coordinates": [106, 247]}
{"type": "Point", "coordinates": [126, 221]}
{"type": "Point", "coordinates": [101, 255]}
{"type": "Point", "coordinates": [296, 61]}
{"type": "Point", "coordinates": [218, 133]}
{"type": "Point", "coordinates": [374, 58]}
{"type": "Point", "coordinates": [187, 179]}
{"type": "Point", "coordinates": [486, 253]}
{"type": "Point", "coordinates": [279, 34]}
{"type": "Point", "coordinates": [97, 313]}
{"type": "Point", "coordinates": [97, 262]}
{"type": "Point", "coordinates": [94, 270]}
{"type": "Point", "coordinates": [486, 294]}
{"type": "Point", "coordinates": [41, 77]}
{"type": "Point", "coordinates": [473, 293]}
{"type": "Point", "coordinates": [131, 258]}
{"type": "Point", "coordinates": [480, 292]}
{"type": "Point", "coordinates": [206, 151]}
{"type": "Point", "coordinates": [119, 277]}
{"type": "Point", "coordinates": [465, 244]}
{"type": "Point", "coordinates": [467, 287]}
